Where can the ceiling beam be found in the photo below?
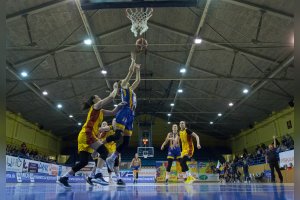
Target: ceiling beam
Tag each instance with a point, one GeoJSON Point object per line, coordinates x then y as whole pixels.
{"type": "Point", "coordinates": [78, 74]}
{"type": "Point", "coordinates": [259, 85]}
{"type": "Point", "coordinates": [60, 78]}
{"type": "Point", "coordinates": [35, 90]}
{"type": "Point", "coordinates": [191, 52]}
{"type": "Point", "coordinates": [71, 46]}
{"type": "Point", "coordinates": [36, 9]}
{"type": "Point", "coordinates": [215, 74]}
{"type": "Point", "coordinates": [257, 7]}
{"type": "Point", "coordinates": [215, 43]}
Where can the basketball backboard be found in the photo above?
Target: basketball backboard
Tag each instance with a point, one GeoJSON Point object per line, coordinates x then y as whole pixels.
{"type": "Point", "coordinates": [109, 4]}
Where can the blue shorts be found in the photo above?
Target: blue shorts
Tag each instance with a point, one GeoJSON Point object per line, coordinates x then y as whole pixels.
{"type": "Point", "coordinates": [135, 168]}
{"type": "Point", "coordinates": [124, 120]}
{"type": "Point", "coordinates": [174, 153]}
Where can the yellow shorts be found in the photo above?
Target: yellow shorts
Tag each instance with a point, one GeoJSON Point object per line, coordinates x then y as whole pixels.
{"type": "Point", "coordinates": [111, 148]}
{"type": "Point", "coordinates": [187, 152]}
{"type": "Point", "coordinates": [85, 140]}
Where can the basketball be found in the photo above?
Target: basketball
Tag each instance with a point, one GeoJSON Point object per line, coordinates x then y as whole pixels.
{"type": "Point", "coordinates": [141, 44]}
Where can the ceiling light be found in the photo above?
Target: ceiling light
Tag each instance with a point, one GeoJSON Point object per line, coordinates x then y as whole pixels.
{"type": "Point", "coordinates": [59, 106]}
{"type": "Point", "coordinates": [230, 104]}
{"type": "Point", "coordinates": [180, 90]}
{"type": "Point", "coordinates": [87, 41]}
{"type": "Point", "coordinates": [24, 74]}
{"type": "Point", "coordinates": [169, 122]}
{"type": "Point", "coordinates": [198, 41]}
{"type": "Point", "coordinates": [245, 91]}
{"type": "Point", "coordinates": [169, 114]}
{"type": "Point", "coordinates": [115, 105]}
{"type": "Point", "coordinates": [71, 116]}
{"type": "Point", "coordinates": [79, 123]}
{"type": "Point", "coordinates": [219, 114]}
{"type": "Point", "coordinates": [103, 72]}
{"type": "Point", "coordinates": [172, 104]}
{"type": "Point", "coordinates": [182, 70]}
{"type": "Point", "coordinates": [45, 93]}
{"type": "Point", "coordinates": [211, 122]}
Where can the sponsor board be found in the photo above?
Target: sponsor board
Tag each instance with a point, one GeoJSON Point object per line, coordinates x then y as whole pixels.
{"type": "Point", "coordinates": [286, 158]}
{"type": "Point", "coordinates": [16, 177]}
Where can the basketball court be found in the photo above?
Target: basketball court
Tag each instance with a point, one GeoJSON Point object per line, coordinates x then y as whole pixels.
{"type": "Point", "coordinates": [211, 191]}
{"type": "Point", "coordinates": [223, 67]}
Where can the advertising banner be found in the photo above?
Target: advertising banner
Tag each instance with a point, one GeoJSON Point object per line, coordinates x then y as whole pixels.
{"type": "Point", "coordinates": [206, 173]}
{"type": "Point", "coordinates": [286, 158]}
{"type": "Point", "coordinates": [161, 171]}
{"type": "Point", "coordinates": [14, 164]}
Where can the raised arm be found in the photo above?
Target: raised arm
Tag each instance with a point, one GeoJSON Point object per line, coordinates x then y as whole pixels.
{"type": "Point", "coordinates": [108, 99]}
{"type": "Point", "coordinates": [137, 77]}
{"type": "Point", "coordinates": [125, 81]}
{"type": "Point", "coordinates": [275, 145]}
{"type": "Point", "coordinates": [114, 111]}
{"type": "Point", "coordinates": [165, 142]}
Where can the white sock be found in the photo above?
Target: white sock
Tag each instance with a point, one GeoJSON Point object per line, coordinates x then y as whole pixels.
{"type": "Point", "coordinates": [92, 174]}
{"type": "Point", "coordinates": [115, 155]}
{"type": "Point", "coordinates": [117, 173]}
{"type": "Point", "coordinates": [167, 175]}
{"type": "Point", "coordinates": [188, 173]}
{"type": "Point", "coordinates": [98, 170]}
{"type": "Point", "coordinates": [68, 174]}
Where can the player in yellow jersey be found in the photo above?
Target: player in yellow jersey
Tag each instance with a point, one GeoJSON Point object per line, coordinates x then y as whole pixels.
{"type": "Point", "coordinates": [96, 175]}
{"type": "Point", "coordinates": [174, 149]}
{"type": "Point", "coordinates": [87, 140]}
{"type": "Point", "coordinates": [125, 116]}
{"type": "Point", "coordinates": [136, 165]}
{"type": "Point", "coordinates": [186, 138]}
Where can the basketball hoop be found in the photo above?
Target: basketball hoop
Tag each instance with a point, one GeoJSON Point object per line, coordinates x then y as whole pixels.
{"type": "Point", "coordinates": [145, 156]}
{"type": "Point", "coordinates": [139, 18]}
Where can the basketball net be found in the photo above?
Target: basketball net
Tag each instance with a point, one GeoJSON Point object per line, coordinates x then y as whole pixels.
{"type": "Point", "coordinates": [139, 19]}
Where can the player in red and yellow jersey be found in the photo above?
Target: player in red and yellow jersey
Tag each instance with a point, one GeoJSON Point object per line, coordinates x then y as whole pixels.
{"type": "Point", "coordinates": [87, 140]}
{"type": "Point", "coordinates": [186, 138]}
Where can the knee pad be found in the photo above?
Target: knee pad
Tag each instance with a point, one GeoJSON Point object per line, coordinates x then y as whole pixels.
{"type": "Point", "coordinates": [124, 144]}
{"type": "Point", "coordinates": [117, 136]}
{"type": "Point", "coordinates": [103, 152]}
{"type": "Point", "coordinates": [126, 140]}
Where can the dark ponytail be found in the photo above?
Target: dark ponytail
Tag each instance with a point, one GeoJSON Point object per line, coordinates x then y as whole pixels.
{"type": "Point", "coordinates": [88, 103]}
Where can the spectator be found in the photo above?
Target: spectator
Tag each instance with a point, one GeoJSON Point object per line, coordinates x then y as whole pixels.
{"type": "Point", "coordinates": [246, 170]}
{"type": "Point", "coordinates": [271, 158]}
{"type": "Point", "coordinates": [245, 153]}
{"type": "Point", "coordinates": [290, 142]}
{"type": "Point", "coordinates": [24, 151]}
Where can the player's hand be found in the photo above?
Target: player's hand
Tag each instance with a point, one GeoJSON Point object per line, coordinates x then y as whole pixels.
{"type": "Point", "coordinates": [104, 129]}
{"type": "Point", "coordinates": [199, 146]}
{"type": "Point", "coordinates": [123, 103]}
{"type": "Point", "coordinates": [115, 86]}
